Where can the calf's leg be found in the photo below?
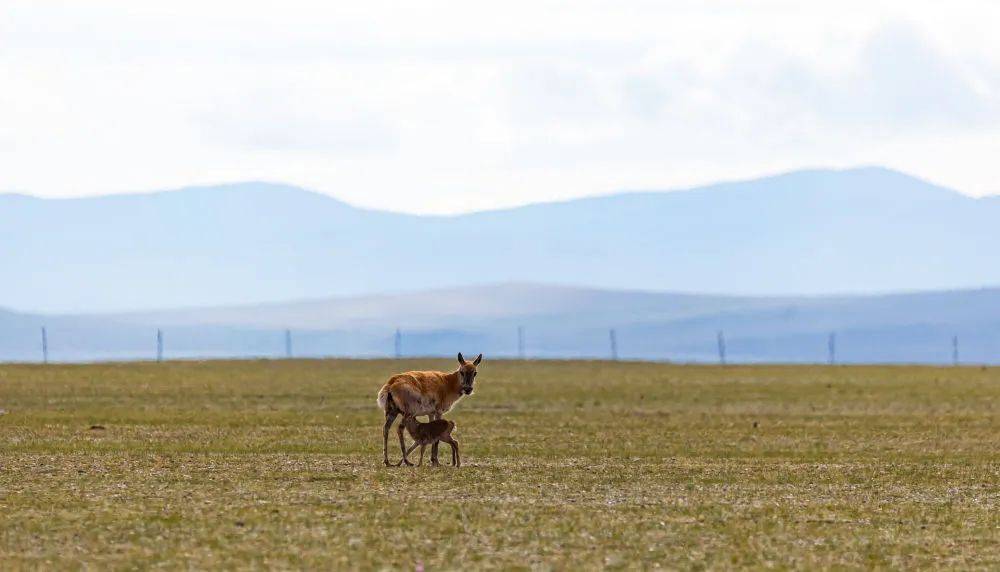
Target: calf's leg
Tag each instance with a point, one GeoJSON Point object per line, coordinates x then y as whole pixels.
{"type": "Point", "coordinates": [407, 454]}
{"type": "Point", "coordinates": [434, 447]}
{"type": "Point", "coordinates": [455, 457]}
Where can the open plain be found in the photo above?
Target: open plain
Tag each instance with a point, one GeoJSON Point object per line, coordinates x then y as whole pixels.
{"type": "Point", "coordinates": [260, 464]}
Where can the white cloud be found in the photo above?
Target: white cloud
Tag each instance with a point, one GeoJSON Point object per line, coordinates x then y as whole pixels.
{"type": "Point", "coordinates": [438, 107]}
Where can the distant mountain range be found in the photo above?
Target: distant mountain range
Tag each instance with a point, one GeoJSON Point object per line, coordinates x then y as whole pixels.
{"type": "Point", "coordinates": [556, 322]}
{"type": "Point", "coordinates": [808, 232]}
{"type": "Point", "coordinates": [89, 270]}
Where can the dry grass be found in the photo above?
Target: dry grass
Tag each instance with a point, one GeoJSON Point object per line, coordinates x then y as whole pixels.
{"type": "Point", "coordinates": [576, 464]}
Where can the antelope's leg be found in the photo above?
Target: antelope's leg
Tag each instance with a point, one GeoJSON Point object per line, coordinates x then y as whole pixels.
{"type": "Point", "coordinates": [421, 462]}
{"type": "Point", "coordinates": [407, 454]}
{"type": "Point", "coordinates": [434, 447]}
{"type": "Point", "coordinates": [402, 445]}
{"type": "Point", "coordinates": [390, 416]}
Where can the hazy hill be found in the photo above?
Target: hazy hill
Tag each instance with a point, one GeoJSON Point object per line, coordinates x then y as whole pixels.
{"type": "Point", "coordinates": [807, 232]}
{"type": "Point", "coordinates": [557, 322]}
{"type": "Point", "coordinates": [464, 307]}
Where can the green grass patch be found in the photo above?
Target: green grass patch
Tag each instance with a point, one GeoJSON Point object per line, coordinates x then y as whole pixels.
{"type": "Point", "coordinates": [567, 465]}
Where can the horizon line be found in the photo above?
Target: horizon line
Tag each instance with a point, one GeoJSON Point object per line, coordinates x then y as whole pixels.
{"type": "Point", "coordinates": [599, 195]}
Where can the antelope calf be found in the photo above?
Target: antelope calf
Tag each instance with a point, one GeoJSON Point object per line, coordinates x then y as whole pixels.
{"type": "Point", "coordinates": [428, 434]}
{"type": "Point", "coordinates": [431, 393]}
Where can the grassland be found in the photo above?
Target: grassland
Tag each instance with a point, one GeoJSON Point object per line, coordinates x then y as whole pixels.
{"type": "Point", "coordinates": [575, 464]}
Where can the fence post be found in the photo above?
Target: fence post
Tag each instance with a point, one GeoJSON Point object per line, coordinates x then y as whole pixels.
{"type": "Point", "coordinates": [399, 344]}
{"type": "Point", "coordinates": [614, 344]}
{"type": "Point", "coordinates": [954, 350]}
{"type": "Point", "coordinates": [159, 345]}
{"type": "Point", "coordinates": [520, 342]}
{"type": "Point", "coordinates": [831, 346]}
{"type": "Point", "coordinates": [721, 340]}
{"type": "Point", "coordinates": [45, 346]}
{"type": "Point", "coordinates": [288, 344]}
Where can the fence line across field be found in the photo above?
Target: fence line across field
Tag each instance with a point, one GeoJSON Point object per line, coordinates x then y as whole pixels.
{"type": "Point", "coordinates": [521, 348]}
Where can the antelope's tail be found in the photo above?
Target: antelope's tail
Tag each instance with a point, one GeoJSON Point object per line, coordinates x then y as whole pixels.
{"type": "Point", "coordinates": [383, 397]}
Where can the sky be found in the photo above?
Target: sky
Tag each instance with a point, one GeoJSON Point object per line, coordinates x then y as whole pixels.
{"type": "Point", "coordinates": [446, 107]}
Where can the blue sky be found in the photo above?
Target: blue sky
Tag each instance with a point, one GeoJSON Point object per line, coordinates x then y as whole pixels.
{"type": "Point", "coordinates": [457, 106]}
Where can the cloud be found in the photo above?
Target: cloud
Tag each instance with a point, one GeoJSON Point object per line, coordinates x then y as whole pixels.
{"type": "Point", "coordinates": [897, 82]}
{"type": "Point", "coordinates": [287, 130]}
{"type": "Point", "coordinates": [893, 84]}
{"type": "Point", "coordinates": [911, 83]}
{"type": "Point", "coordinates": [440, 107]}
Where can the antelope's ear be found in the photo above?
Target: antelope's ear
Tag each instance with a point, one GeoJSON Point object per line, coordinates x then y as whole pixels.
{"type": "Point", "coordinates": [461, 359]}
{"type": "Point", "coordinates": [478, 359]}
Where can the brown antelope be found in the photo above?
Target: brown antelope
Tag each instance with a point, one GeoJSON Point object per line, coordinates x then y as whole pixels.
{"type": "Point", "coordinates": [428, 434]}
{"type": "Point", "coordinates": [430, 393]}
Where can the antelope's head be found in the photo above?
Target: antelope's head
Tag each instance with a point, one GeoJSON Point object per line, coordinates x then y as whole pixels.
{"type": "Point", "coordinates": [467, 372]}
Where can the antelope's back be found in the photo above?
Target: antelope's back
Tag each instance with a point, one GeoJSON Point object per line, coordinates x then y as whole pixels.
{"type": "Point", "coordinates": [422, 381]}
{"type": "Point", "coordinates": [418, 392]}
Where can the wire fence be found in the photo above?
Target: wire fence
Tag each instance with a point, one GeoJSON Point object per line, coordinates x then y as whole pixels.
{"type": "Point", "coordinates": [73, 345]}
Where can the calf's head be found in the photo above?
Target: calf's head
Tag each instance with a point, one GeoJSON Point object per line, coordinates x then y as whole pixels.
{"type": "Point", "coordinates": [467, 372]}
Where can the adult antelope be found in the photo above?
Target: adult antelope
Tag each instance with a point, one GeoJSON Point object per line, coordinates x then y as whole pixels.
{"type": "Point", "coordinates": [430, 393]}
